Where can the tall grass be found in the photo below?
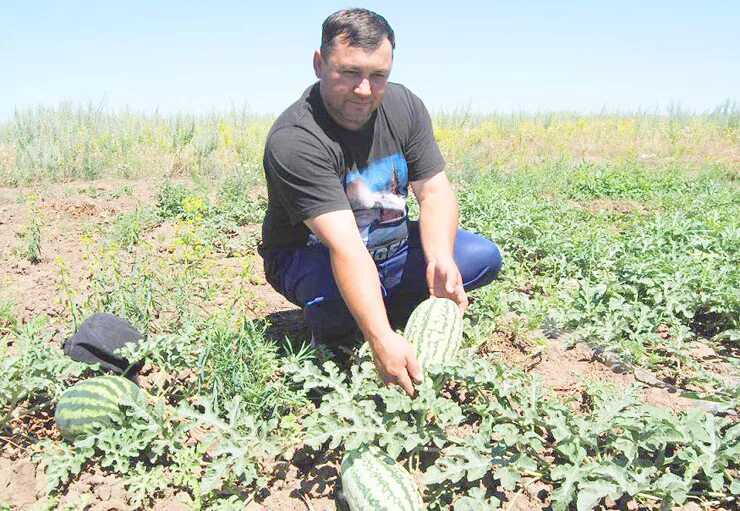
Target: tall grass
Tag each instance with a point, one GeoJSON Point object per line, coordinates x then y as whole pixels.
{"type": "Point", "coordinates": [72, 142]}
{"type": "Point", "coordinates": [514, 141]}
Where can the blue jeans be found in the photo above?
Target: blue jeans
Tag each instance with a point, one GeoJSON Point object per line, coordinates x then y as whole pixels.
{"type": "Point", "coordinates": [305, 278]}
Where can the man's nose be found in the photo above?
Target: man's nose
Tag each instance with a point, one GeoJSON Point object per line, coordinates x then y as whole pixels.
{"type": "Point", "coordinates": [363, 88]}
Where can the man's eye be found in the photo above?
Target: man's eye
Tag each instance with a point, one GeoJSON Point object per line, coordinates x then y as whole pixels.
{"type": "Point", "coordinates": [350, 74]}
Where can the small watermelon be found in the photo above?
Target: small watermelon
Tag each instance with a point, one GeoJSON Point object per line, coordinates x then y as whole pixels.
{"type": "Point", "coordinates": [373, 481]}
{"type": "Point", "coordinates": [435, 331]}
{"type": "Point", "coordinates": [92, 403]}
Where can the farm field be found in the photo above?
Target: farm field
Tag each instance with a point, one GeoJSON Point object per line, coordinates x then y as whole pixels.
{"type": "Point", "coordinates": [600, 371]}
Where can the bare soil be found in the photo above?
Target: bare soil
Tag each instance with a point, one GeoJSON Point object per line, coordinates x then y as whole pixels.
{"type": "Point", "coordinates": [611, 206]}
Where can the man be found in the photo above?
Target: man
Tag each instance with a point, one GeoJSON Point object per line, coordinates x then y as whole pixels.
{"type": "Point", "coordinates": [336, 237]}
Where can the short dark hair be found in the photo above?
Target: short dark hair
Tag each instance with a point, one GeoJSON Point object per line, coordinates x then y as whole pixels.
{"type": "Point", "coordinates": [357, 27]}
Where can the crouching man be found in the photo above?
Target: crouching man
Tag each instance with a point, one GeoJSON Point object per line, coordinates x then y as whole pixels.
{"type": "Point", "coordinates": [337, 240]}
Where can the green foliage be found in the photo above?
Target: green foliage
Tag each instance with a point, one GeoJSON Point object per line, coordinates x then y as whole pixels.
{"type": "Point", "coordinates": [85, 142]}
{"type": "Point", "coordinates": [238, 203]}
{"type": "Point", "coordinates": [623, 182]}
{"type": "Point", "coordinates": [618, 447]}
{"type": "Point", "coordinates": [170, 198]}
{"type": "Point", "coordinates": [624, 252]}
{"type": "Point", "coordinates": [237, 360]}
{"type": "Point", "coordinates": [34, 374]}
{"type": "Point", "coordinates": [614, 274]}
{"type": "Point", "coordinates": [153, 438]}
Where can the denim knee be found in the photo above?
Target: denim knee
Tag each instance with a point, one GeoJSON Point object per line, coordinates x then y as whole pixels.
{"type": "Point", "coordinates": [480, 261]}
{"type": "Point", "coordinates": [493, 262]}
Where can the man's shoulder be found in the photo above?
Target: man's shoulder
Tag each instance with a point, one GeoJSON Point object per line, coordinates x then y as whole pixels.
{"type": "Point", "coordinates": [297, 122]}
{"type": "Point", "coordinates": [296, 114]}
{"type": "Point", "coordinates": [399, 100]}
{"type": "Point", "coordinates": [400, 93]}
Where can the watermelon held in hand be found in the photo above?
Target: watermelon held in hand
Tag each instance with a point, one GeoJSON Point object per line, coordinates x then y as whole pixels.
{"type": "Point", "coordinates": [93, 403]}
{"type": "Point", "coordinates": [435, 331]}
{"type": "Point", "coordinates": [373, 481]}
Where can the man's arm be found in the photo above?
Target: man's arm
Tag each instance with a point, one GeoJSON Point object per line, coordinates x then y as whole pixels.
{"type": "Point", "coordinates": [438, 223]}
{"type": "Point", "coordinates": [358, 282]}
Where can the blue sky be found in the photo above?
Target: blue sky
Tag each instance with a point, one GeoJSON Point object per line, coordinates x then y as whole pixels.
{"type": "Point", "coordinates": [481, 55]}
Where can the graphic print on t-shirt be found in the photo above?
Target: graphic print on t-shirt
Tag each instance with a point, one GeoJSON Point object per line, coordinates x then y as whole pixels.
{"type": "Point", "coordinates": [377, 195]}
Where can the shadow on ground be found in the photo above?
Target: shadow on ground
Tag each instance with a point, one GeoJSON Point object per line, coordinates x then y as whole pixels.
{"type": "Point", "coordinates": [287, 326]}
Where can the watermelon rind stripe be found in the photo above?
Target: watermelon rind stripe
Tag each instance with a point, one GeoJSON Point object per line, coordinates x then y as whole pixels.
{"type": "Point", "coordinates": [86, 411]}
{"type": "Point", "coordinates": [89, 397]}
{"type": "Point", "coordinates": [87, 422]}
{"type": "Point", "coordinates": [123, 385]}
{"type": "Point", "coordinates": [78, 409]}
{"type": "Point", "coordinates": [111, 386]}
{"type": "Point", "coordinates": [99, 391]}
{"type": "Point", "coordinates": [89, 393]}
{"type": "Point", "coordinates": [386, 493]}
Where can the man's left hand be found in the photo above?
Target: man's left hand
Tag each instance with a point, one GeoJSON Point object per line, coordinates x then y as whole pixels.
{"type": "Point", "coordinates": [444, 281]}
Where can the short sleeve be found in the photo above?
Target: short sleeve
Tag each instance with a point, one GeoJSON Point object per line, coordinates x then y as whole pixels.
{"type": "Point", "coordinates": [302, 174]}
{"type": "Point", "coordinates": [422, 152]}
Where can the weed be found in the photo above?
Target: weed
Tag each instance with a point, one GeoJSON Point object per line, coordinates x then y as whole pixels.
{"type": "Point", "coordinates": [8, 319]}
{"type": "Point", "coordinates": [170, 199]}
{"type": "Point", "coordinates": [239, 361]}
{"type": "Point", "coordinates": [30, 248]}
{"type": "Point", "coordinates": [129, 228]}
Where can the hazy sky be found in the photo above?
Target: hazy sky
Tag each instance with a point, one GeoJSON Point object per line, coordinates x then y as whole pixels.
{"type": "Point", "coordinates": [482, 55]}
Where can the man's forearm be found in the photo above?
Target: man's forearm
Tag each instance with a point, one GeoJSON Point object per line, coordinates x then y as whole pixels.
{"type": "Point", "coordinates": [357, 280]}
{"type": "Point", "coordinates": [438, 222]}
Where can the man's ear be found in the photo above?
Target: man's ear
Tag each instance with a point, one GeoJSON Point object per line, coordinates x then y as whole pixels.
{"type": "Point", "coordinates": [318, 63]}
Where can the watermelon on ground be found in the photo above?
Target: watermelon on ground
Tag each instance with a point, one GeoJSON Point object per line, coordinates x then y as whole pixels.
{"type": "Point", "coordinates": [92, 403]}
{"type": "Point", "coordinates": [373, 481]}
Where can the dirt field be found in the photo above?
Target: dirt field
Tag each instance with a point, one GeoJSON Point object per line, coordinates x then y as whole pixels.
{"type": "Point", "coordinates": [71, 212]}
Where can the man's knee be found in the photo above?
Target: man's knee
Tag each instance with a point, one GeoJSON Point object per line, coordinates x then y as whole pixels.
{"type": "Point", "coordinates": [480, 260]}
{"type": "Point", "coordinates": [330, 322]}
{"type": "Point", "coordinates": [493, 262]}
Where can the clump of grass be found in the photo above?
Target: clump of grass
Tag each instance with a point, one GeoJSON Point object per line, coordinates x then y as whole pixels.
{"type": "Point", "coordinates": [129, 228]}
{"type": "Point", "coordinates": [125, 190]}
{"type": "Point", "coordinates": [238, 360]}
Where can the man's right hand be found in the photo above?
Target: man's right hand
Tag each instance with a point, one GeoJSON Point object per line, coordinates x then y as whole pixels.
{"type": "Point", "coordinates": [396, 362]}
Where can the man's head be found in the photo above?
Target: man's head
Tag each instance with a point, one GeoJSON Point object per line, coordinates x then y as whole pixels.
{"type": "Point", "coordinates": [353, 64]}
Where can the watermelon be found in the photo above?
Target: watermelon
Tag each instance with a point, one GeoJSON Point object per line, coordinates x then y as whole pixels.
{"type": "Point", "coordinates": [435, 331]}
{"type": "Point", "coordinates": [373, 481]}
{"type": "Point", "coordinates": [92, 403]}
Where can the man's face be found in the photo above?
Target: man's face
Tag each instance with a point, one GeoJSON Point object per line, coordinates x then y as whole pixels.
{"type": "Point", "coordinates": [353, 81]}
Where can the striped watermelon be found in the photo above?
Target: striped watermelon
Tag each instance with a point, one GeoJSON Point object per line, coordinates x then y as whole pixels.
{"type": "Point", "coordinates": [92, 403]}
{"type": "Point", "coordinates": [435, 331]}
{"type": "Point", "coordinates": [373, 481]}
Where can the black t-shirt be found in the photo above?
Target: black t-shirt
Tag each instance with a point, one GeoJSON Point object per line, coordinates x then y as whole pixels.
{"type": "Point", "coordinates": [314, 166]}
